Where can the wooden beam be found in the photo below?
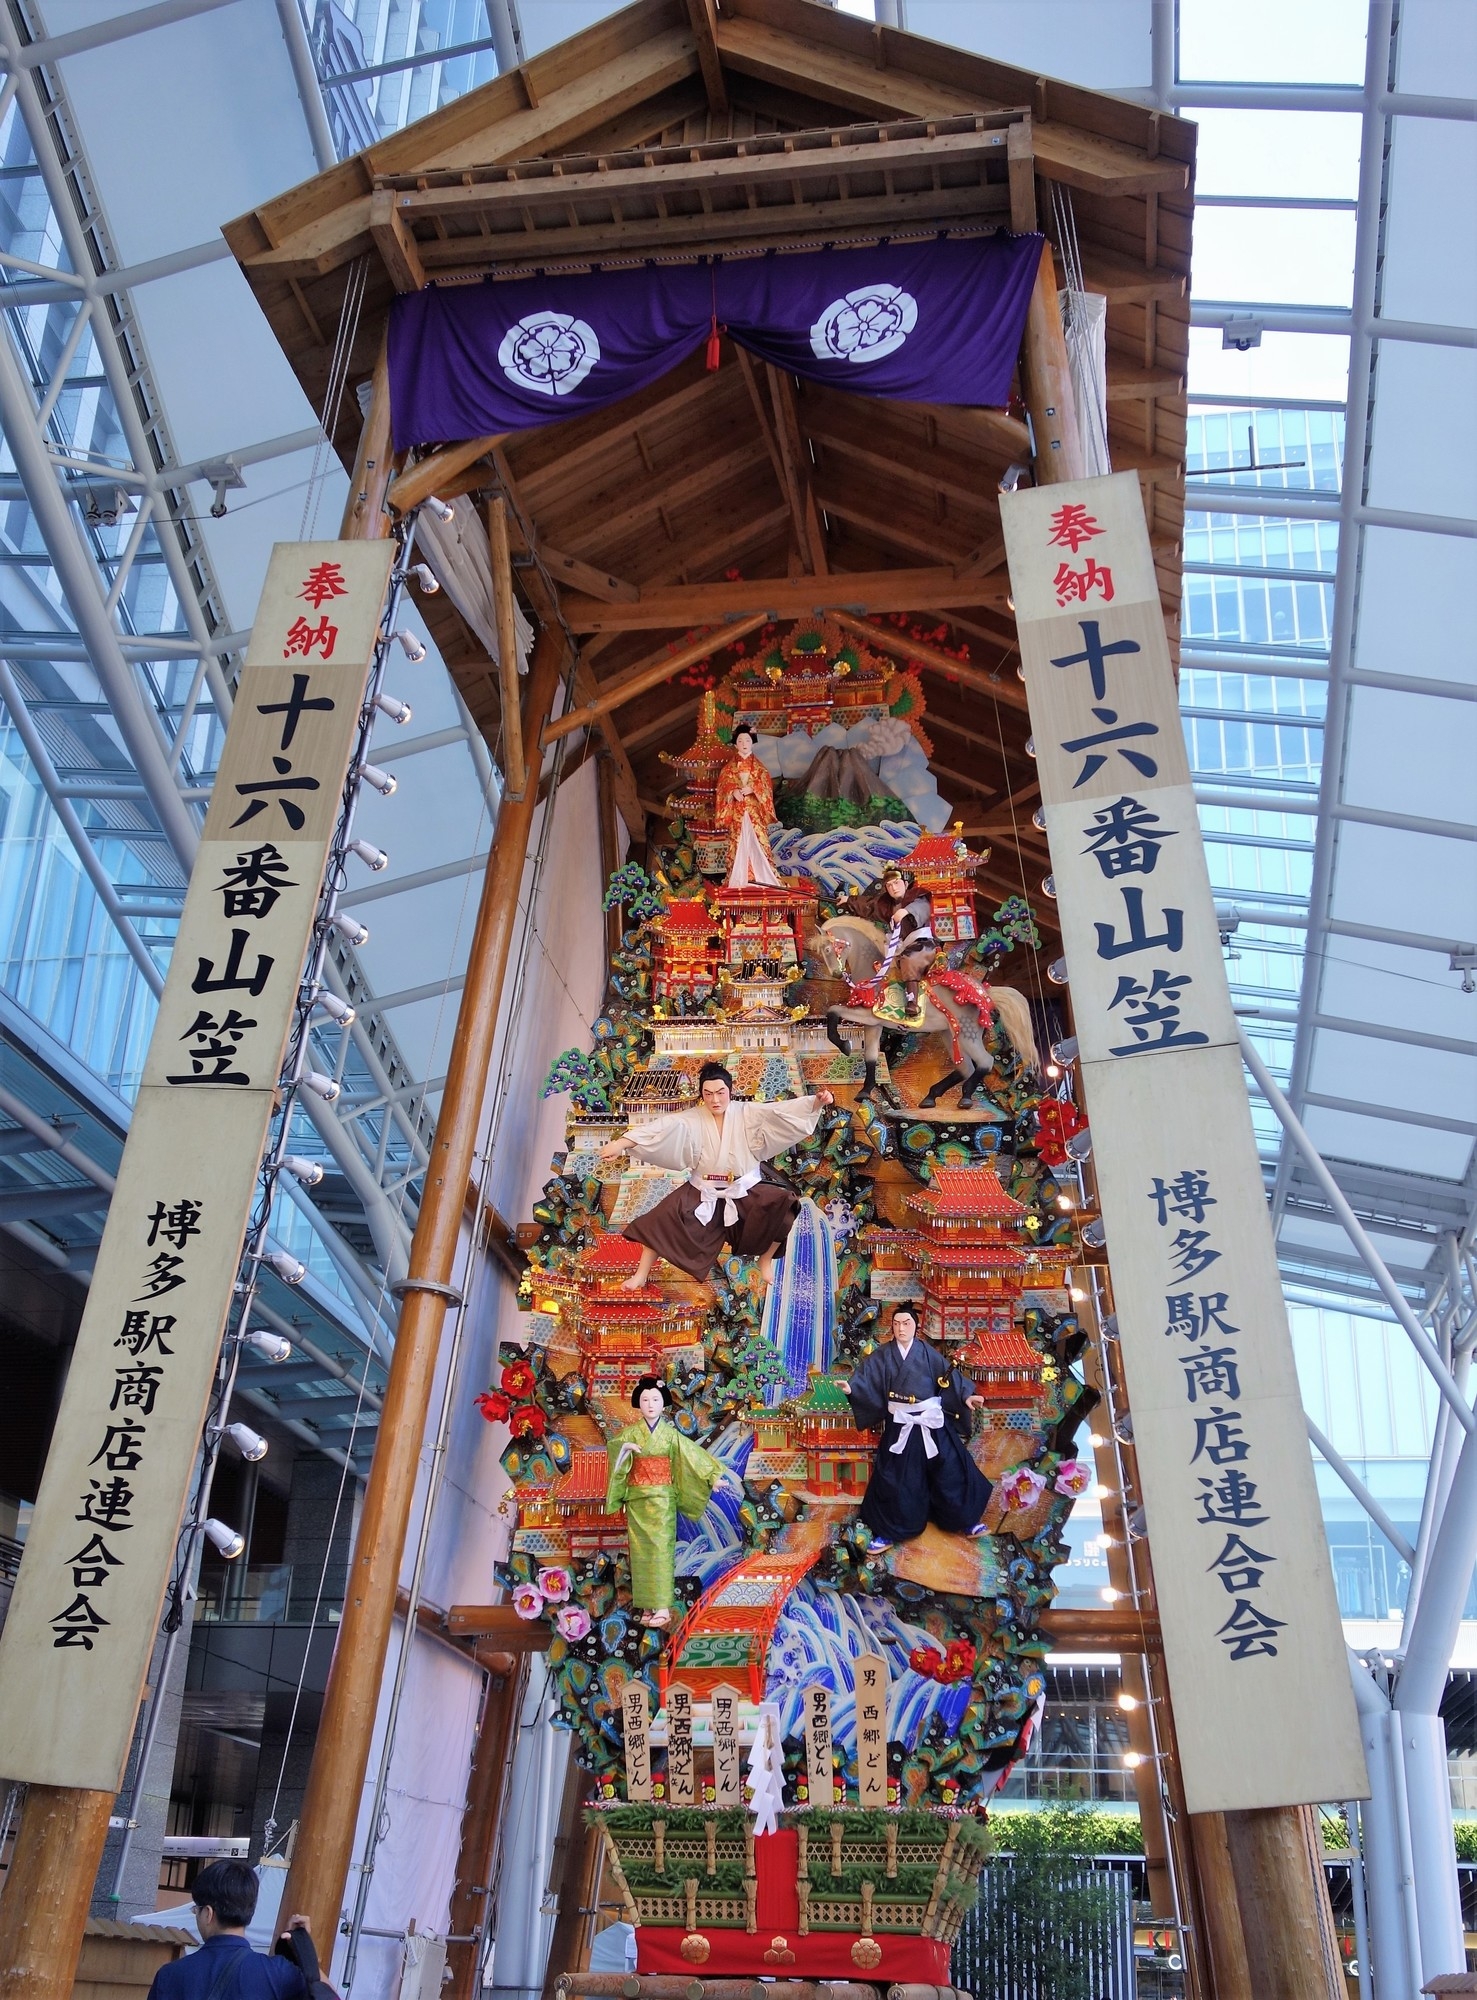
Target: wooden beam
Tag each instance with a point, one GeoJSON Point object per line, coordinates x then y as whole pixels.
{"type": "Point", "coordinates": [584, 576]}
{"type": "Point", "coordinates": [58, 1849]}
{"type": "Point", "coordinates": [651, 672]}
{"type": "Point", "coordinates": [1087, 1631]}
{"type": "Point", "coordinates": [703, 16]}
{"type": "Point", "coordinates": [419, 481]}
{"type": "Point", "coordinates": [364, 510]}
{"type": "Point", "coordinates": [502, 1623]}
{"type": "Point", "coordinates": [781, 597]}
{"type": "Point", "coordinates": [610, 851]}
{"type": "Point", "coordinates": [515, 770]}
{"type": "Point", "coordinates": [398, 250]}
{"type": "Point", "coordinates": [887, 639]}
{"type": "Point", "coordinates": [796, 458]}
{"type": "Point", "coordinates": [623, 778]}
{"type": "Point", "coordinates": [1128, 382]}
{"type": "Point", "coordinates": [764, 417]}
{"type": "Point", "coordinates": [1021, 154]}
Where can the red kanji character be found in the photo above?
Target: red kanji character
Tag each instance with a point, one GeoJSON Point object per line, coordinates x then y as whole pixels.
{"type": "Point", "coordinates": [323, 581]}
{"type": "Point", "coordinates": [303, 637]}
{"type": "Point", "coordinates": [1080, 584]}
{"type": "Point", "coordinates": [1071, 526]}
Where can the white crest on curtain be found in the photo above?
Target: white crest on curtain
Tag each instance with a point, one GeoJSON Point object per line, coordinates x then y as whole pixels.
{"type": "Point", "coordinates": [866, 325]}
{"type": "Point", "coordinates": [548, 352]}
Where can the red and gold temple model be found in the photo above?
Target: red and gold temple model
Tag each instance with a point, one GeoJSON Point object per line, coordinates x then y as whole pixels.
{"type": "Point", "coordinates": [944, 868]}
{"type": "Point", "coordinates": [697, 802]}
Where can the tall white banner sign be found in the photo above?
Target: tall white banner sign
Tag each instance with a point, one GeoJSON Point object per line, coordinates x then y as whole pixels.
{"type": "Point", "coordinates": [81, 1625]}
{"type": "Point", "coordinates": [1263, 1708]}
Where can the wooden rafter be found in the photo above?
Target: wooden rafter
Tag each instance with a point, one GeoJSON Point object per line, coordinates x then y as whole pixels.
{"type": "Point", "coordinates": [703, 15]}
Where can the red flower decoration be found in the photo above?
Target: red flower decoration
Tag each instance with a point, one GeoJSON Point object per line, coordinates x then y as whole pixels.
{"type": "Point", "coordinates": [528, 1421]}
{"type": "Point", "coordinates": [924, 1660]}
{"type": "Point", "coordinates": [959, 1661]}
{"type": "Point", "coordinates": [517, 1379]}
{"type": "Point", "coordinates": [494, 1406]}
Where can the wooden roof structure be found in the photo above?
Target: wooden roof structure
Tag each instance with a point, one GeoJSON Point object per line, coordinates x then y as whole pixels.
{"type": "Point", "coordinates": [684, 128]}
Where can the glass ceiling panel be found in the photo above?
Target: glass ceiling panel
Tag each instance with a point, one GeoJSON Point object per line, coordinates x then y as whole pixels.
{"type": "Point", "coordinates": [1303, 153]}
{"type": "Point", "coordinates": [1403, 569]}
{"type": "Point", "coordinates": [1437, 51]}
{"type": "Point", "coordinates": [1299, 367]}
{"type": "Point", "coordinates": [1269, 41]}
{"type": "Point", "coordinates": [1302, 257]}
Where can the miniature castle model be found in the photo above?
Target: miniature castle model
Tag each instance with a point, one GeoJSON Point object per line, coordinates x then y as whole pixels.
{"type": "Point", "coordinates": [972, 1263]}
{"type": "Point", "coordinates": [942, 866]}
{"type": "Point", "coordinates": [811, 1447]}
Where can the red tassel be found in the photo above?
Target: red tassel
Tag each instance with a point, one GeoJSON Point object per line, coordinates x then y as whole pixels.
{"type": "Point", "coordinates": [713, 346]}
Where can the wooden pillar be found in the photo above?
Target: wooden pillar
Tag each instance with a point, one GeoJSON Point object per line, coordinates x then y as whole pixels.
{"type": "Point", "coordinates": [1225, 1947]}
{"type": "Point", "coordinates": [578, 1890]}
{"type": "Point", "coordinates": [320, 1863]}
{"type": "Point", "coordinates": [1286, 1920]}
{"type": "Point", "coordinates": [365, 519]}
{"type": "Point", "coordinates": [43, 1907]}
{"type": "Point", "coordinates": [492, 1759]}
{"type": "Point", "coordinates": [515, 769]}
{"type": "Point", "coordinates": [1047, 379]}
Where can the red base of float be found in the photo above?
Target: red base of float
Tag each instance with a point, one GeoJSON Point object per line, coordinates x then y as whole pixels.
{"type": "Point", "coordinates": [767, 1955]}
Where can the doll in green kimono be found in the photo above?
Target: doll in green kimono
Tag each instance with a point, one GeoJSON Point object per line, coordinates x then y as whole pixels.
{"type": "Point", "coordinates": [655, 1474]}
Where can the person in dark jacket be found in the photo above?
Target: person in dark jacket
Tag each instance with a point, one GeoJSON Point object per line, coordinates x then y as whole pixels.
{"type": "Point", "coordinates": [922, 1471]}
{"type": "Point", "coordinates": [226, 1967]}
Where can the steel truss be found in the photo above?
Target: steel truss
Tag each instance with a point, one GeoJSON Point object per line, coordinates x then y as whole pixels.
{"type": "Point", "coordinates": [127, 765]}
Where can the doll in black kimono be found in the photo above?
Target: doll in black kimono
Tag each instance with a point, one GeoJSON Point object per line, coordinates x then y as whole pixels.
{"type": "Point", "coordinates": [922, 1471]}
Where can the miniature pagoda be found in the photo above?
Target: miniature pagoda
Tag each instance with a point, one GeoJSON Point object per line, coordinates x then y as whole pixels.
{"type": "Point", "coordinates": [567, 1521]}
{"type": "Point", "coordinates": [972, 1261]}
{"type": "Point", "coordinates": [943, 867]}
{"type": "Point", "coordinates": [696, 803]}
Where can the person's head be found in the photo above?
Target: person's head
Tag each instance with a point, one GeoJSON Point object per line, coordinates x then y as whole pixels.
{"type": "Point", "coordinates": [224, 1895]}
{"type": "Point", "coordinates": [904, 1323]}
{"type": "Point", "coordinates": [744, 740]}
{"type": "Point", "coordinates": [650, 1397]}
{"type": "Point", "coordinates": [897, 885]}
{"type": "Point", "coordinates": [715, 1087]}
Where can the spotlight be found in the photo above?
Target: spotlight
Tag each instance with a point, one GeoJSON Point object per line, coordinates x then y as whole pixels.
{"type": "Point", "coordinates": [1065, 1052]}
{"type": "Point", "coordinates": [374, 858]}
{"type": "Point", "coordinates": [326, 1087]}
{"type": "Point", "coordinates": [251, 1445]}
{"type": "Point", "coordinates": [440, 509]}
{"type": "Point", "coordinates": [309, 1172]}
{"type": "Point", "coordinates": [1123, 1429]}
{"type": "Point", "coordinates": [288, 1269]}
{"type": "Point", "coordinates": [371, 774]}
{"type": "Point", "coordinates": [336, 1009]}
{"type": "Point", "coordinates": [1138, 1525]}
{"type": "Point", "coordinates": [424, 580]}
{"type": "Point", "coordinates": [1110, 1323]}
{"type": "Point", "coordinates": [1048, 886]}
{"type": "Point", "coordinates": [1038, 819]}
{"type": "Point", "coordinates": [1093, 1234]}
{"type": "Point", "coordinates": [225, 1539]}
{"type": "Point", "coordinates": [391, 705]}
{"type": "Point", "coordinates": [1128, 1703]}
{"type": "Point", "coordinates": [349, 929]}
{"type": "Point", "coordinates": [270, 1345]}
{"type": "Point", "coordinates": [412, 648]}
{"type": "Point", "coordinates": [1056, 972]}
{"type": "Point", "coordinates": [1079, 1146]}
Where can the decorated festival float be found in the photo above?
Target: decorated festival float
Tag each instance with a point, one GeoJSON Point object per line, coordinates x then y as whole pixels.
{"type": "Point", "coordinates": [795, 1539]}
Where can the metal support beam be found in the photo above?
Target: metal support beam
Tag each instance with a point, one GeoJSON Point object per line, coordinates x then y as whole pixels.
{"type": "Point", "coordinates": [1361, 1493]}
{"type": "Point", "coordinates": [1358, 1236]}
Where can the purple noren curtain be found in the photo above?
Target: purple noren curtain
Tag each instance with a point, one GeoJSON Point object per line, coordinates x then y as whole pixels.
{"type": "Point", "coordinates": [932, 322]}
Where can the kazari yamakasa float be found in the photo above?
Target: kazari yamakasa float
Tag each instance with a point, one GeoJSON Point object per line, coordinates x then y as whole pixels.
{"type": "Point", "coordinates": [790, 1486]}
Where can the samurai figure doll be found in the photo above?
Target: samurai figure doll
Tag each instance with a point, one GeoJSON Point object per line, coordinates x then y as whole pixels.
{"type": "Point", "coordinates": [922, 1471]}
{"type": "Point", "coordinates": [655, 1475]}
{"type": "Point", "coordinates": [730, 1194]}
{"type": "Point", "coordinates": [910, 950]}
{"type": "Point", "coordinates": [745, 811]}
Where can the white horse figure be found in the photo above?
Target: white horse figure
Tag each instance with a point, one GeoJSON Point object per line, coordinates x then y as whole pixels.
{"type": "Point", "coordinates": [854, 948]}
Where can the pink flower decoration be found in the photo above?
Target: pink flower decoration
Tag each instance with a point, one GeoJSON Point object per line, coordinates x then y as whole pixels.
{"type": "Point", "coordinates": [573, 1622]}
{"type": "Point", "coordinates": [528, 1600]}
{"type": "Point", "coordinates": [1021, 1489]}
{"type": "Point", "coordinates": [555, 1585]}
{"type": "Point", "coordinates": [1072, 1477]}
